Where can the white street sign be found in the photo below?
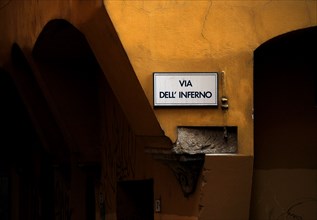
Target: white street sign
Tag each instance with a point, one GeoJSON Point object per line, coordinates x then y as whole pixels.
{"type": "Point", "coordinates": [186, 89]}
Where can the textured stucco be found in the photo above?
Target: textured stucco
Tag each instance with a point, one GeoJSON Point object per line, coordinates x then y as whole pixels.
{"type": "Point", "coordinates": [196, 36]}
{"type": "Point", "coordinates": [220, 36]}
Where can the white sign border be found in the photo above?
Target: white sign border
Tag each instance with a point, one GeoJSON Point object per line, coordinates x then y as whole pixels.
{"type": "Point", "coordinates": [215, 104]}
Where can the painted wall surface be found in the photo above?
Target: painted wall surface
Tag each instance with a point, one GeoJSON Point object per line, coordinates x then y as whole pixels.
{"type": "Point", "coordinates": [185, 36]}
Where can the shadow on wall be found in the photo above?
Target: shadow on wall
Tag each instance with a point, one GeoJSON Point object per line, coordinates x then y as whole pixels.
{"type": "Point", "coordinates": [70, 75]}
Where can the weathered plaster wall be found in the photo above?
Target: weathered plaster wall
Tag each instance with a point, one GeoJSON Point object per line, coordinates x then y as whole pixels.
{"type": "Point", "coordinates": [205, 36]}
{"type": "Point", "coordinates": [184, 36]}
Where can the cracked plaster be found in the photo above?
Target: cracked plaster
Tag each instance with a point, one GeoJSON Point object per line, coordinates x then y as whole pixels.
{"type": "Point", "coordinates": [165, 36]}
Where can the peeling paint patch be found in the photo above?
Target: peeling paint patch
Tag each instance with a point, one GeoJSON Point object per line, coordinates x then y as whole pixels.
{"type": "Point", "coordinates": [208, 140]}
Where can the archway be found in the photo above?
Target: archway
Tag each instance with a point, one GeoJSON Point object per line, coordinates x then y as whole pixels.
{"type": "Point", "coordinates": [285, 144]}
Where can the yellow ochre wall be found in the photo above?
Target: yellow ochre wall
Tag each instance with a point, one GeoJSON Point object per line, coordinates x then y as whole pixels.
{"type": "Point", "coordinates": [212, 36]}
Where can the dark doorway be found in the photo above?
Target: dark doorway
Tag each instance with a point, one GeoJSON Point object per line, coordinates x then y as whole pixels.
{"type": "Point", "coordinates": [135, 200]}
{"type": "Point", "coordinates": [285, 126]}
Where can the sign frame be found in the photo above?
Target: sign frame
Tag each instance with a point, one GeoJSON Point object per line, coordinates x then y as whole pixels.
{"type": "Point", "coordinates": [196, 80]}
